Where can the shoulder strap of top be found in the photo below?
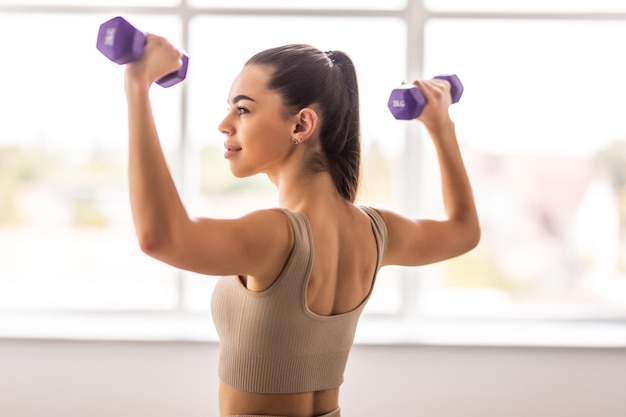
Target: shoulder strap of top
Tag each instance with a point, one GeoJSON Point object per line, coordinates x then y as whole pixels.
{"type": "Point", "coordinates": [303, 244]}
{"type": "Point", "coordinates": [300, 259]}
{"type": "Point", "coordinates": [380, 231]}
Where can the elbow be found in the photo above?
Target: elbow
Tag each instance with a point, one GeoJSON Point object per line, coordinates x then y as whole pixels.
{"type": "Point", "coordinates": [160, 241]}
{"type": "Point", "coordinates": [474, 239]}
{"type": "Point", "coordinates": [466, 234]}
{"type": "Point", "coordinates": [151, 243]}
{"type": "Point", "coordinates": [467, 230]}
{"type": "Point", "coordinates": [472, 235]}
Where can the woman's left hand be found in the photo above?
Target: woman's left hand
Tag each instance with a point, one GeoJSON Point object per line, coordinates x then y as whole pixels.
{"type": "Point", "coordinates": [159, 58]}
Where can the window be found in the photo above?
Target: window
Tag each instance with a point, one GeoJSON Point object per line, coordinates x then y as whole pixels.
{"type": "Point", "coordinates": [540, 124]}
{"type": "Point", "coordinates": [66, 233]}
{"type": "Point", "coordinates": [219, 194]}
{"type": "Point", "coordinates": [66, 237]}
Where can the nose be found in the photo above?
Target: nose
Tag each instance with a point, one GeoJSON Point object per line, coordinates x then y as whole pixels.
{"type": "Point", "coordinates": [225, 127]}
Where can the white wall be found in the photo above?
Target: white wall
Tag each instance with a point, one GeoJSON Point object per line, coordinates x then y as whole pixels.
{"type": "Point", "coordinates": [124, 379]}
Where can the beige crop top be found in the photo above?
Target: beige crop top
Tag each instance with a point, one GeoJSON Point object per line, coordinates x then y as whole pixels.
{"type": "Point", "coordinates": [270, 342]}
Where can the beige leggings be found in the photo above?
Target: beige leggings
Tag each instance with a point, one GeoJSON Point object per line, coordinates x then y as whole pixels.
{"type": "Point", "coordinates": [334, 413]}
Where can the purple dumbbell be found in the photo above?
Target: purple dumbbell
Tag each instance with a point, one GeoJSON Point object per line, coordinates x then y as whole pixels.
{"type": "Point", "coordinates": [407, 102]}
{"type": "Point", "coordinates": [122, 43]}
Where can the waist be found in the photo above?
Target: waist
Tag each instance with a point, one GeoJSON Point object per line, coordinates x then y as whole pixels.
{"type": "Point", "coordinates": [234, 402]}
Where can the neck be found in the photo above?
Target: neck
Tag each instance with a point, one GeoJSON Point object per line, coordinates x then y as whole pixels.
{"type": "Point", "coordinates": [305, 192]}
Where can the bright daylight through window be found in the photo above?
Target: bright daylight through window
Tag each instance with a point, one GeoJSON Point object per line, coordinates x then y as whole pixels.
{"type": "Point", "coordinates": [544, 143]}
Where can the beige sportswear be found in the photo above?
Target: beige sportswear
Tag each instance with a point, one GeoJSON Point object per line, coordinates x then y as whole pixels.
{"type": "Point", "coordinates": [270, 342]}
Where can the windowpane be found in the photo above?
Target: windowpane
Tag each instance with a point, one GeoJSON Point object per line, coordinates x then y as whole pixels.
{"type": "Point", "coordinates": [542, 125]}
{"type": "Point", "coordinates": [379, 57]}
{"type": "Point", "coordinates": [66, 235]}
{"type": "Point", "coordinates": [319, 4]}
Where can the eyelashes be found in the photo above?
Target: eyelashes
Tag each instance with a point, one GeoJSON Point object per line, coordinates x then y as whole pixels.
{"type": "Point", "coordinates": [241, 110]}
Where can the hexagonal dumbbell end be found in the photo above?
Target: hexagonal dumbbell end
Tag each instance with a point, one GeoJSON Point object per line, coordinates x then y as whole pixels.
{"type": "Point", "coordinates": [407, 102]}
{"type": "Point", "coordinates": [122, 43]}
{"type": "Point", "coordinates": [456, 88]}
{"type": "Point", "coordinates": [175, 77]}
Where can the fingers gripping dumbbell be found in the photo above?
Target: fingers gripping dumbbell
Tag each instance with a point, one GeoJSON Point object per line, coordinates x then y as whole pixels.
{"type": "Point", "coordinates": [407, 102]}
{"type": "Point", "coordinates": [122, 43]}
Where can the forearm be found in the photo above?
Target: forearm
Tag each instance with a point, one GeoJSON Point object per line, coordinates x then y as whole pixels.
{"type": "Point", "coordinates": [457, 192]}
{"type": "Point", "coordinates": [155, 203]}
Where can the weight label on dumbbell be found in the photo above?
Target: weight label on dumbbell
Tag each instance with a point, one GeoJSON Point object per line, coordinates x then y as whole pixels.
{"type": "Point", "coordinates": [398, 104]}
{"type": "Point", "coordinates": [109, 37]}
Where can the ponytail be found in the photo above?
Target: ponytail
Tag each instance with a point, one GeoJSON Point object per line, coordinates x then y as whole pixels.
{"type": "Point", "coordinates": [341, 133]}
{"type": "Point", "coordinates": [304, 76]}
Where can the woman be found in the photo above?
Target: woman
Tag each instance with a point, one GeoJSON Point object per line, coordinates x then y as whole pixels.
{"type": "Point", "coordinates": [296, 277]}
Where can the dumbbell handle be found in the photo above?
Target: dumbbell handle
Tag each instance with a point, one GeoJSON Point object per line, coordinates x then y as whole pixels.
{"type": "Point", "coordinates": [407, 102]}
{"type": "Point", "coordinates": [122, 43]}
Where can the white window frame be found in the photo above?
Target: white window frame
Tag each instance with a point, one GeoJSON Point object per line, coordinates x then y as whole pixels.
{"type": "Point", "coordinates": [179, 325]}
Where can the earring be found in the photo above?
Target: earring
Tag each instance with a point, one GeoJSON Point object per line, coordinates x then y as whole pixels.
{"type": "Point", "coordinates": [297, 141]}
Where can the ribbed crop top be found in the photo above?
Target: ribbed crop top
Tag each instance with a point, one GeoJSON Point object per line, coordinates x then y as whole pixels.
{"type": "Point", "coordinates": [270, 341]}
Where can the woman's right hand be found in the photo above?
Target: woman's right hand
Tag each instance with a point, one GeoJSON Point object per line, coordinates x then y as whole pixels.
{"type": "Point", "coordinates": [438, 100]}
{"type": "Point", "coordinates": [159, 58]}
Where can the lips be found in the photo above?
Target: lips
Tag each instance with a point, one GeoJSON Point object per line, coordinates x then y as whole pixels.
{"type": "Point", "coordinates": [230, 150]}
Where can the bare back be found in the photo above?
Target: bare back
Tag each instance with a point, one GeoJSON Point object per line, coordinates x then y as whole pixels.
{"type": "Point", "coordinates": [344, 263]}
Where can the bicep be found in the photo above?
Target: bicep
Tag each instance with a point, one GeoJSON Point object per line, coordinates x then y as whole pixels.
{"type": "Point", "coordinates": [414, 242]}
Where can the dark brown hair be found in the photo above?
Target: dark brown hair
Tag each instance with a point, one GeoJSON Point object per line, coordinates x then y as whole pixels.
{"type": "Point", "coordinates": [304, 76]}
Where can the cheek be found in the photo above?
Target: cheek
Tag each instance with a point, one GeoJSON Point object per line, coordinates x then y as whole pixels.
{"type": "Point", "coordinates": [271, 138]}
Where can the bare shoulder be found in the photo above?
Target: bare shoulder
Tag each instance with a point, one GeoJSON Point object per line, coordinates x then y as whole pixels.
{"type": "Point", "coordinates": [253, 244]}
{"type": "Point", "coordinates": [267, 240]}
{"type": "Point", "coordinates": [269, 228]}
{"type": "Point", "coordinates": [414, 242]}
{"type": "Point", "coordinates": [266, 219]}
{"type": "Point", "coordinates": [389, 218]}
{"type": "Point", "coordinates": [263, 230]}
{"type": "Point", "coordinates": [401, 238]}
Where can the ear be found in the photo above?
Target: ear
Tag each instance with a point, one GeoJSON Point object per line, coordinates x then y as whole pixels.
{"type": "Point", "coordinates": [306, 123]}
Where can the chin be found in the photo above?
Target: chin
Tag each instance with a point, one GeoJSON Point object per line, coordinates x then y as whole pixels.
{"type": "Point", "coordinates": [238, 173]}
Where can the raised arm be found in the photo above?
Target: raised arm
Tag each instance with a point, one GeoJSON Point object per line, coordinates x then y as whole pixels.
{"type": "Point", "coordinates": [164, 229]}
{"type": "Point", "coordinates": [423, 241]}
{"type": "Point", "coordinates": [156, 206]}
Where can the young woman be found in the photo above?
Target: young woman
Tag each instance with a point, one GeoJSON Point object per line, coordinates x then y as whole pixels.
{"type": "Point", "coordinates": [295, 278]}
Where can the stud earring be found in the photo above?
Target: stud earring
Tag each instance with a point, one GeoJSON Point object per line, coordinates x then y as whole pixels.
{"type": "Point", "coordinates": [297, 141]}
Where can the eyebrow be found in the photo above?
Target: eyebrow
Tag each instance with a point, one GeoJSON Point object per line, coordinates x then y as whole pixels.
{"type": "Point", "coordinates": [242, 97]}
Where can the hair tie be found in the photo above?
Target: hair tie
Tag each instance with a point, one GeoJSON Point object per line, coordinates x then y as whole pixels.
{"type": "Point", "coordinates": [330, 56]}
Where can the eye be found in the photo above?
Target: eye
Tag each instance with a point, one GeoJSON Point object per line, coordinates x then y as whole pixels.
{"type": "Point", "coordinates": [242, 110]}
